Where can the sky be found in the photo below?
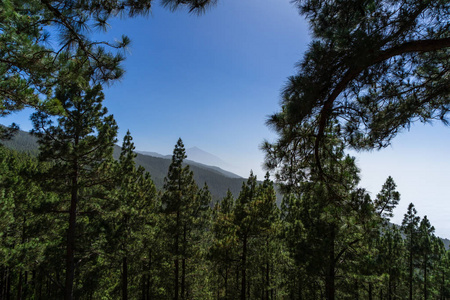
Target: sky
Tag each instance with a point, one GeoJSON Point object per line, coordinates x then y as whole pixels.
{"type": "Point", "coordinates": [213, 80]}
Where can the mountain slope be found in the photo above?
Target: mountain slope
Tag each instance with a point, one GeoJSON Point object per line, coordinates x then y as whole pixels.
{"type": "Point", "coordinates": [158, 166]}
{"type": "Point", "coordinates": [218, 180]}
{"type": "Point", "coordinates": [200, 158]}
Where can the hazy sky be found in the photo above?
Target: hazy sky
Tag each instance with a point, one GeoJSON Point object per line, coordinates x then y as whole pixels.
{"type": "Point", "coordinates": [213, 80]}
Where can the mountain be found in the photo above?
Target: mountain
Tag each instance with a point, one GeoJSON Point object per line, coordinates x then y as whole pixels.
{"type": "Point", "coordinates": [218, 183]}
{"type": "Point", "coordinates": [200, 158]}
{"type": "Point", "coordinates": [23, 142]}
{"type": "Point", "coordinates": [214, 177]}
{"type": "Point", "coordinates": [203, 157]}
{"type": "Point", "coordinates": [154, 154]}
{"type": "Point", "coordinates": [218, 180]}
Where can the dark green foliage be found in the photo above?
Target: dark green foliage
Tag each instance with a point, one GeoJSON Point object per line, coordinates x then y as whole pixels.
{"type": "Point", "coordinates": [39, 37]}
{"type": "Point", "coordinates": [410, 225]}
{"type": "Point", "coordinates": [247, 251]}
{"type": "Point", "coordinates": [287, 253]}
{"type": "Point", "coordinates": [129, 216]}
{"type": "Point", "coordinates": [78, 224]}
{"type": "Point", "coordinates": [329, 226]}
{"type": "Point", "coordinates": [372, 69]}
{"type": "Point", "coordinates": [27, 233]}
{"type": "Point", "coordinates": [79, 149]}
{"type": "Point", "coordinates": [373, 66]}
{"type": "Point", "coordinates": [387, 199]}
{"type": "Point", "coordinates": [186, 210]}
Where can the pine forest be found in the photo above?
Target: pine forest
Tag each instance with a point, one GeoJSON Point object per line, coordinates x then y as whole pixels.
{"type": "Point", "coordinates": [77, 222]}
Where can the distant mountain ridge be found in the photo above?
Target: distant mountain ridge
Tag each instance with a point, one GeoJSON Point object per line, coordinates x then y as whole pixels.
{"type": "Point", "coordinates": [217, 179]}
{"type": "Point", "coordinates": [217, 182]}
{"type": "Point", "coordinates": [197, 156]}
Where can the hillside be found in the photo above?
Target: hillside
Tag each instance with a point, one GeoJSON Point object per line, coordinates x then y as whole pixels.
{"type": "Point", "coordinates": [218, 180]}
{"type": "Point", "coordinates": [196, 159]}
{"type": "Point", "coordinates": [218, 183]}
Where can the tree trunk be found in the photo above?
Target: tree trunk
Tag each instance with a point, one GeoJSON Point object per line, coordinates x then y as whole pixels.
{"type": "Point", "coordinates": [390, 285]}
{"type": "Point", "coordinates": [144, 285]}
{"type": "Point", "coordinates": [330, 272]}
{"type": "Point", "coordinates": [183, 265]}
{"type": "Point", "coordinates": [226, 274]}
{"type": "Point", "coordinates": [410, 280]}
{"type": "Point", "coordinates": [70, 248]}
{"type": "Point", "coordinates": [149, 279]}
{"type": "Point", "coordinates": [237, 280]}
{"type": "Point", "coordinates": [244, 268]}
{"type": "Point", "coordinates": [124, 278]}
{"type": "Point", "coordinates": [267, 280]}
{"type": "Point", "coordinates": [300, 290]}
{"type": "Point", "coordinates": [425, 287]}
{"type": "Point", "coordinates": [267, 272]}
{"type": "Point", "coordinates": [7, 287]}
{"type": "Point", "coordinates": [19, 287]}
{"type": "Point", "coordinates": [177, 269]}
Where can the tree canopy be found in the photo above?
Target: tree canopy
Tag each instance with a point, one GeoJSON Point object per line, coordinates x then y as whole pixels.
{"type": "Point", "coordinates": [374, 67]}
{"type": "Point", "coordinates": [38, 38]}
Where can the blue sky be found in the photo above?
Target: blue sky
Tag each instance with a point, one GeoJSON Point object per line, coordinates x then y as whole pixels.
{"type": "Point", "coordinates": [213, 80]}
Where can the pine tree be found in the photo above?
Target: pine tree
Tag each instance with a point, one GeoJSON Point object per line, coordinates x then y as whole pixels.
{"type": "Point", "coordinates": [329, 220]}
{"type": "Point", "coordinates": [26, 233]}
{"type": "Point", "coordinates": [129, 213]}
{"type": "Point", "coordinates": [390, 259]}
{"type": "Point", "coordinates": [246, 227]}
{"type": "Point", "coordinates": [38, 37]}
{"type": "Point", "coordinates": [387, 199]}
{"type": "Point", "coordinates": [373, 66]}
{"type": "Point", "coordinates": [224, 248]}
{"type": "Point", "coordinates": [178, 200]}
{"type": "Point", "coordinates": [428, 253]}
{"type": "Point", "coordinates": [410, 225]}
{"type": "Point", "coordinates": [80, 149]}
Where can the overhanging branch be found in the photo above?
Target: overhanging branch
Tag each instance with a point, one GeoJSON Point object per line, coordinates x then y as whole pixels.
{"type": "Point", "coordinates": [419, 46]}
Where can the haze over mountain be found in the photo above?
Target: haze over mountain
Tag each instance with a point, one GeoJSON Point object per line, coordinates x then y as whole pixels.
{"type": "Point", "coordinates": [217, 179]}
{"type": "Point", "coordinates": [197, 155]}
{"type": "Point", "coordinates": [201, 158]}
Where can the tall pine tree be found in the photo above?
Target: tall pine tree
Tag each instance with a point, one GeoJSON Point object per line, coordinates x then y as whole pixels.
{"type": "Point", "coordinates": [80, 149]}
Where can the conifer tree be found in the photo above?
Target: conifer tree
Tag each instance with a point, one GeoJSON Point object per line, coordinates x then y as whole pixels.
{"type": "Point", "coordinates": [428, 254]}
{"type": "Point", "coordinates": [224, 247]}
{"type": "Point", "coordinates": [390, 260]}
{"type": "Point", "coordinates": [246, 227]}
{"type": "Point", "coordinates": [443, 276]}
{"type": "Point", "coordinates": [79, 148]}
{"type": "Point", "coordinates": [387, 199]}
{"type": "Point", "coordinates": [38, 37]}
{"type": "Point", "coordinates": [373, 66]}
{"type": "Point", "coordinates": [178, 199]}
{"type": "Point", "coordinates": [410, 226]}
{"type": "Point", "coordinates": [321, 199]}
{"type": "Point", "coordinates": [25, 231]}
{"type": "Point", "coordinates": [130, 210]}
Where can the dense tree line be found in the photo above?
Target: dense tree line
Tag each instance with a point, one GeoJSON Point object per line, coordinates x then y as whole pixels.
{"type": "Point", "coordinates": [77, 224]}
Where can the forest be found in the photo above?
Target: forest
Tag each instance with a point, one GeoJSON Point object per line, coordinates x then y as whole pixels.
{"type": "Point", "coordinates": [77, 223]}
{"type": "Point", "coordinates": [131, 241]}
